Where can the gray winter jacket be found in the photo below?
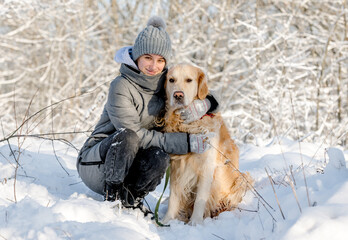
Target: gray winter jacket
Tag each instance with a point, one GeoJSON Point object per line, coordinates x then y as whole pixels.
{"type": "Point", "coordinates": [134, 101]}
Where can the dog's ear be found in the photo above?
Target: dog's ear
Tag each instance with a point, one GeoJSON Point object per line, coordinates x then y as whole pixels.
{"type": "Point", "coordinates": [202, 85]}
{"type": "Point", "coordinates": [168, 74]}
{"type": "Point", "coordinates": [165, 81]}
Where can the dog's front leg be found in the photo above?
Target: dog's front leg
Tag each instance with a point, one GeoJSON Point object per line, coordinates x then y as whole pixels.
{"type": "Point", "coordinates": [173, 206]}
{"type": "Point", "coordinates": [204, 187]}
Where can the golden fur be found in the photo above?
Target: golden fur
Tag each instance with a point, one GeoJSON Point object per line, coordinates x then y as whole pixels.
{"type": "Point", "coordinates": [201, 185]}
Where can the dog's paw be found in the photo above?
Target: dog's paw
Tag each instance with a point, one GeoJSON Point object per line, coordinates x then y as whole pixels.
{"type": "Point", "coordinates": [195, 221]}
{"type": "Point", "coordinates": [166, 219]}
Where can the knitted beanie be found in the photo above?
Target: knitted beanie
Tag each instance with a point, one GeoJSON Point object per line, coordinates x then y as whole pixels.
{"type": "Point", "coordinates": [153, 40]}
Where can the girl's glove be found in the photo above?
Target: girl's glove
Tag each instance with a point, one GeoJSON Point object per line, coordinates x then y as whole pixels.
{"type": "Point", "coordinates": [199, 143]}
{"type": "Point", "coordinates": [194, 111]}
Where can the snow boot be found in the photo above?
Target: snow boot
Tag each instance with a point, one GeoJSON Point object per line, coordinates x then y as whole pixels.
{"type": "Point", "coordinates": [130, 200]}
{"type": "Point", "coordinates": [112, 192]}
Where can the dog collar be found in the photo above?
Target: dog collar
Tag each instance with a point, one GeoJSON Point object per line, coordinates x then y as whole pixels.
{"type": "Point", "coordinates": [208, 114]}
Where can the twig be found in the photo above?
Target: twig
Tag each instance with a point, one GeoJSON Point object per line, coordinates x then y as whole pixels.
{"type": "Point", "coordinates": [6, 159]}
{"type": "Point", "coordinates": [41, 120]}
{"type": "Point", "coordinates": [14, 156]}
{"type": "Point", "coordinates": [258, 207]}
{"type": "Point", "coordinates": [72, 184]}
{"type": "Point", "coordinates": [217, 236]}
{"type": "Point", "coordinates": [292, 174]}
{"type": "Point", "coordinates": [55, 154]}
{"type": "Point", "coordinates": [15, 174]}
{"type": "Point", "coordinates": [246, 210]}
{"type": "Point", "coordinates": [41, 136]}
{"type": "Point", "coordinates": [54, 149]}
{"type": "Point", "coordinates": [294, 192]}
{"type": "Point", "coordinates": [3, 236]}
{"type": "Point", "coordinates": [27, 111]}
{"type": "Point", "coordinates": [41, 110]}
{"type": "Point", "coordinates": [299, 144]}
{"type": "Point", "coordinates": [275, 194]}
{"type": "Point", "coordinates": [3, 131]}
{"type": "Point", "coordinates": [47, 134]}
{"type": "Point", "coordinates": [283, 182]}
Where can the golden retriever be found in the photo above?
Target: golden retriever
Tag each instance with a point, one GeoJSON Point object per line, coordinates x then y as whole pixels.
{"type": "Point", "coordinates": [201, 185]}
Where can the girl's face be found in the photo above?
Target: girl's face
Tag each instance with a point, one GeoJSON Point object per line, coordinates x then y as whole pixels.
{"type": "Point", "coordinates": [151, 64]}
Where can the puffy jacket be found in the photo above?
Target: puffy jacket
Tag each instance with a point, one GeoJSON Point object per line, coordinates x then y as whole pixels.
{"type": "Point", "coordinates": [134, 101]}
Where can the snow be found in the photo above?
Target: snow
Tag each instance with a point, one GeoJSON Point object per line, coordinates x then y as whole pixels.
{"type": "Point", "coordinates": [47, 200]}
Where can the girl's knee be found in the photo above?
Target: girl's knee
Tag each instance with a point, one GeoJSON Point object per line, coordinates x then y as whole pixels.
{"type": "Point", "coordinates": [127, 135]}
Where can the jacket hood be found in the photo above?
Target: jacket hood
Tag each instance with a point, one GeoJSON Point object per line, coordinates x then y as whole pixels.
{"type": "Point", "coordinates": [124, 56]}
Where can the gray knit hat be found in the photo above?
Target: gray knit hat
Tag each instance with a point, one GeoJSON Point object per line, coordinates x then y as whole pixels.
{"type": "Point", "coordinates": [153, 40]}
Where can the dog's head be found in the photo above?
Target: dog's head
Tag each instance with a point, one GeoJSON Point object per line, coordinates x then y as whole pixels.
{"type": "Point", "coordinates": [184, 84]}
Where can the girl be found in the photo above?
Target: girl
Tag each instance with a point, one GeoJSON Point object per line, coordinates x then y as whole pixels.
{"type": "Point", "coordinates": [126, 156]}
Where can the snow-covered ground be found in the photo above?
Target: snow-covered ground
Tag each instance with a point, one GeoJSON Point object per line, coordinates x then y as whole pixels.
{"type": "Point", "coordinates": [53, 203]}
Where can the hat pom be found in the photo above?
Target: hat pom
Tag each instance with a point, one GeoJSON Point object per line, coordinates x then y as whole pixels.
{"type": "Point", "coordinates": [156, 22]}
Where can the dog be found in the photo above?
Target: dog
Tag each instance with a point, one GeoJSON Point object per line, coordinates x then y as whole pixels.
{"type": "Point", "coordinates": [201, 185]}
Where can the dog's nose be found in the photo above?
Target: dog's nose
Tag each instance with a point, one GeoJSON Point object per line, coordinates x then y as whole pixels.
{"type": "Point", "coordinates": [178, 95]}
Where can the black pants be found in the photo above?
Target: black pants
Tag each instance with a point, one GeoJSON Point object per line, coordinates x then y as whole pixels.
{"type": "Point", "coordinates": [140, 170]}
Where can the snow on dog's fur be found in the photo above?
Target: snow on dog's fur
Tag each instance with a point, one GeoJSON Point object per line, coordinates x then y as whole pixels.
{"type": "Point", "coordinates": [201, 185]}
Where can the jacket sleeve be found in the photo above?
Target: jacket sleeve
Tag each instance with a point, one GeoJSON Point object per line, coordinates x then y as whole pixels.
{"type": "Point", "coordinates": [214, 101]}
{"type": "Point", "coordinates": [123, 114]}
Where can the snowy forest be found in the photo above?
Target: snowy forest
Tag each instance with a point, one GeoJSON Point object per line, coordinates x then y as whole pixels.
{"type": "Point", "coordinates": [279, 66]}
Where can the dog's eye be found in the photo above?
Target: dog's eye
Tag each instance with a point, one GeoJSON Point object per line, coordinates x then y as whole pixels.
{"type": "Point", "coordinates": [171, 80]}
{"type": "Point", "coordinates": [189, 80]}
